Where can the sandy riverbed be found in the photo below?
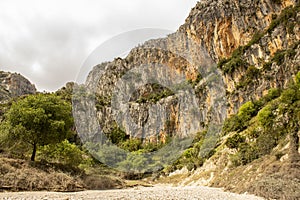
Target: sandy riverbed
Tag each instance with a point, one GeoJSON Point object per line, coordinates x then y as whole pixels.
{"type": "Point", "coordinates": [138, 193]}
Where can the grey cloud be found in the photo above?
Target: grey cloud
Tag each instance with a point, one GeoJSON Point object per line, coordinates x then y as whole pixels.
{"type": "Point", "coordinates": [60, 43]}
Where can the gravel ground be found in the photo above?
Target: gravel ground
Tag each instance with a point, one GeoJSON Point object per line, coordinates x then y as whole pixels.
{"type": "Point", "coordinates": [138, 193]}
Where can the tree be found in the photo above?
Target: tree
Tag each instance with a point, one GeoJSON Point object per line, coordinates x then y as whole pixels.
{"type": "Point", "coordinates": [39, 120]}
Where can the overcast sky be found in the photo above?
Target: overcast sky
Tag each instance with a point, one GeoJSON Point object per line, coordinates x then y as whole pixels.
{"type": "Point", "coordinates": [47, 41]}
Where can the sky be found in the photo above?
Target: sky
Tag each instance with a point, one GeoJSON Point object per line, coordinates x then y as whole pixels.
{"type": "Point", "coordinates": [47, 41]}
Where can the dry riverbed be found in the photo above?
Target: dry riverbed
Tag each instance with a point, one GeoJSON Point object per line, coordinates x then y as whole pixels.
{"type": "Point", "coordinates": [139, 193]}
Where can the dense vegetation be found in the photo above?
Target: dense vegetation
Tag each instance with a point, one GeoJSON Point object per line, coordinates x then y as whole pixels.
{"type": "Point", "coordinates": [38, 120]}
{"type": "Point", "coordinates": [266, 123]}
{"type": "Point", "coordinates": [38, 141]}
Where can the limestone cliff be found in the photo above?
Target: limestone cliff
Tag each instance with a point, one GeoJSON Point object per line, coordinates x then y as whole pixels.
{"type": "Point", "coordinates": [14, 85]}
{"type": "Point", "coordinates": [212, 35]}
{"type": "Point", "coordinates": [228, 52]}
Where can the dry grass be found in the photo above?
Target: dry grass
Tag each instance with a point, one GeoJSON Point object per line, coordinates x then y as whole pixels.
{"type": "Point", "coordinates": [21, 175]}
{"type": "Point", "coordinates": [100, 182]}
{"type": "Point", "coordinates": [266, 177]}
{"type": "Point", "coordinates": [284, 183]}
{"type": "Point", "coordinates": [174, 179]}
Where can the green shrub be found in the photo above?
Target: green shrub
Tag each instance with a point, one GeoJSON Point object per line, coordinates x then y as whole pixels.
{"type": "Point", "coordinates": [108, 154]}
{"type": "Point", "coordinates": [251, 74]}
{"type": "Point", "coordinates": [254, 133]}
{"type": "Point", "coordinates": [289, 96]}
{"type": "Point", "coordinates": [279, 57]}
{"type": "Point", "coordinates": [265, 116]}
{"type": "Point", "coordinates": [63, 152]}
{"type": "Point", "coordinates": [241, 120]}
{"type": "Point", "coordinates": [131, 145]}
{"type": "Point", "coordinates": [247, 111]}
{"type": "Point", "coordinates": [134, 162]}
{"type": "Point", "coordinates": [233, 64]}
{"type": "Point", "coordinates": [245, 155]}
{"type": "Point", "coordinates": [150, 147]}
{"type": "Point", "coordinates": [298, 79]}
{"type": "Point", "coordinates": [267, 66]}
{"type": "Point", "coordinates": [235, 141]}
{"type": "Point", "coordinates": [222, 62]}
{"type": "Point", "coordinates": [266, 142]}
{"type": "Point", "coordinates": [102, 101]}
{"type": "Point", "coordinates": [283, 18]}
{"type": "Point", "coordinates": [117, 135]}
{"type": "Point", "coordinates": [255, 39]}
{"type": "Point", "coordinates": [273, 93]}
{"type": "Point", "coordinates": [39, 120]}
{"type": "Point", "coordinates": [233, 123]}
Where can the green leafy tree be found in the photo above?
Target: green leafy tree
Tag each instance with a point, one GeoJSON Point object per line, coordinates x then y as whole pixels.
{"type": "Point", "coordinates": [39, 120]}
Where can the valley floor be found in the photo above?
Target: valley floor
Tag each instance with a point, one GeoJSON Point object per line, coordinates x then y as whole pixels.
{"type": "Point", "coordinates": [138, 193]}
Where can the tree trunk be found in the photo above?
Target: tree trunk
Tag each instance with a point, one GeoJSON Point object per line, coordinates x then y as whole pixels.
{"type": "Point", "coordinates": [33, 152]}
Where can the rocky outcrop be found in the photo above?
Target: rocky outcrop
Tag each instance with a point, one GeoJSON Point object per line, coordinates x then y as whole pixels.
{"type": "Point", "coordinates": [224, 25]}
{"type": "Point", "coordinates": [14, 85]}
{"type": "Point", "coordinates": [211, 34]}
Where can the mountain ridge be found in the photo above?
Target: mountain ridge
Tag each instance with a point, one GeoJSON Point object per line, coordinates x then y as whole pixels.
{"type": "Point", "coordinates": [14, 85]}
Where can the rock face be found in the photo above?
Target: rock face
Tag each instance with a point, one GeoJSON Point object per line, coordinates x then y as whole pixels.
{"type": "Point", "coordinates": [223, 25]}
{"type": "Point", "coordinates": [14, 85]}
{"type": "Point", "coordinates": [227, 52]}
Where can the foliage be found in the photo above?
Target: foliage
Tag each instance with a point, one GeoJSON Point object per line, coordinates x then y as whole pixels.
{"type": "Point", "coordinates": [117, 134]}
{"type": "Point", "coordinates": [232, 123]}
{"type": "Point", "coordinates": [102, 101]}
{"type": "Point", "coordinates": [246, 154]}
{"type": "Point", "coordinates": [109, 154]}
{"type": "Point", "coordinates": [279, 57]}
{"type": "Point", "coordinates": [66, 92]}
{"type": "Point", "coordinates": [233, 64]}
{"type": "Point", "coordinates": [265, 116]}
{"type": "Point", "coordinates": [240, 121]}
{"type": "Point", "coordinates": [203, 147]}
{"type": "Point", "coordinates": [39, 120]}
{"type": "Point", "coordinates": [251, 74]}
{"type": "Point", "coordinates": [196, 81]}
{"type": "Point", "coordinates": [255, 39]}
{"type": "Point", "coordinates": [284, 18]}
{"type": "Point", "coordinates": [135, 162]}
{"type": "Point", "coordinates": [63, 152]}
{"type": "Point", "coordinates": [229, 65]}
{"type": "Point", "coordinates": [150, 147]}
{"type": "Point", "coordinates": [157, 94]}
{"type": "Point", "coordinates": [235, 141]}
{"type": "Point", "coordinates": [272, 117]}
{"type": "Point", "coordinates": [297, 79]}
{"type": "Point", "coordinates": [273, 93]}
{"type": "Point", "coordinates": [132, 144]}
{"type": "Point", "coordinates": [290, 95]}
{"type": "Point", "coordinates": [247, 111]}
